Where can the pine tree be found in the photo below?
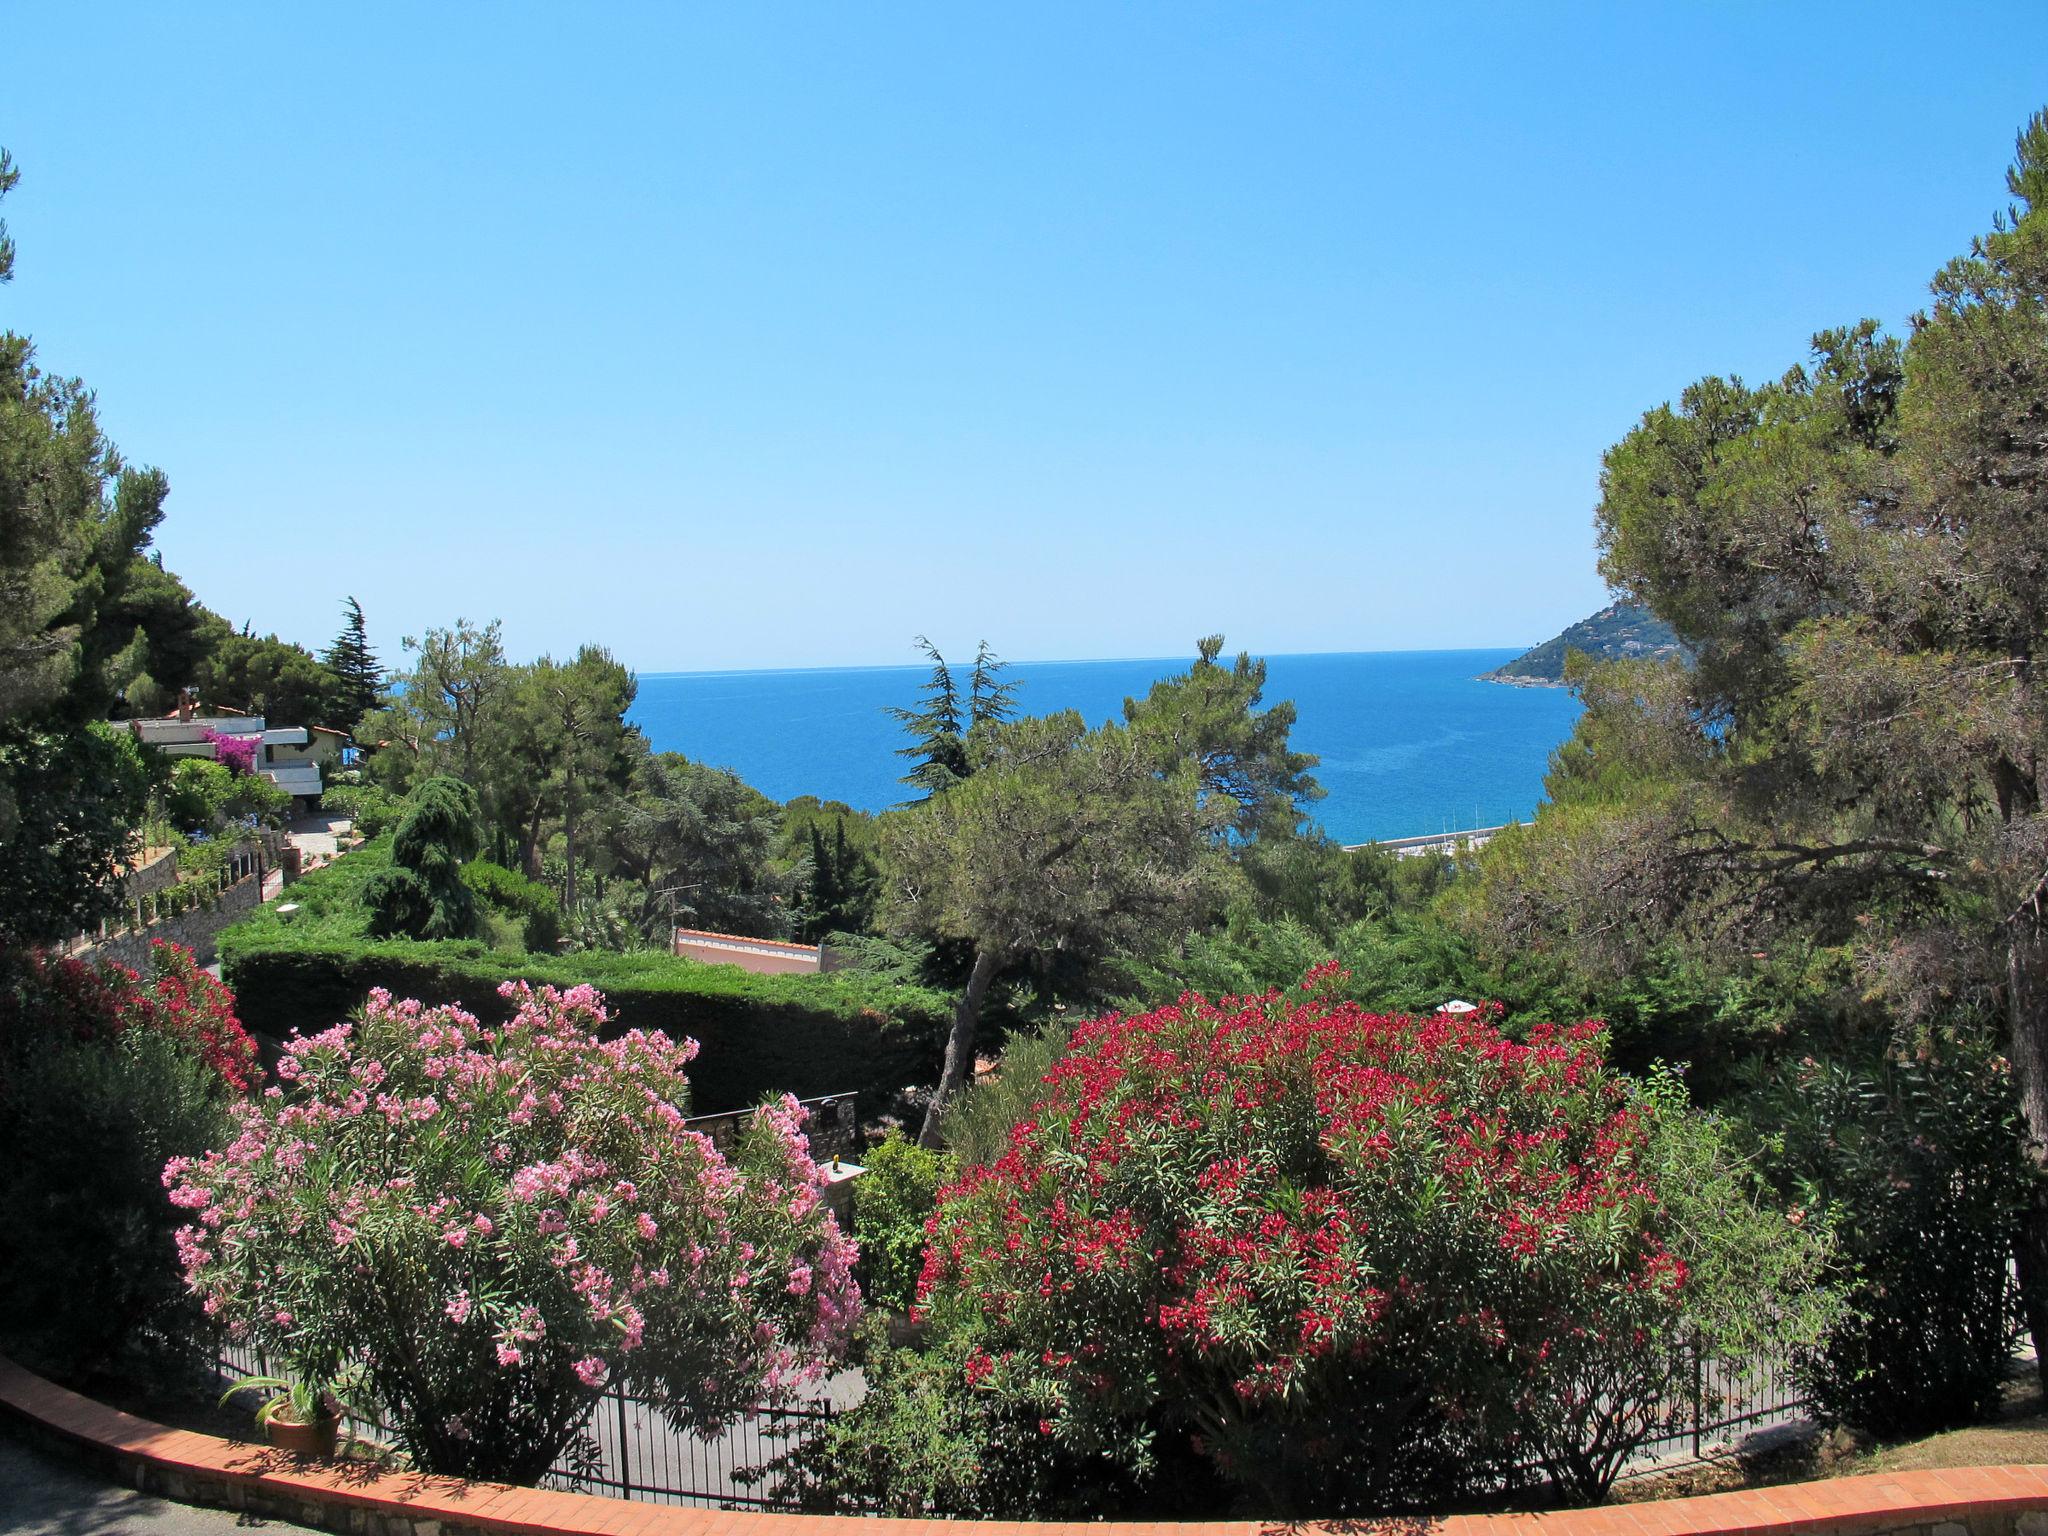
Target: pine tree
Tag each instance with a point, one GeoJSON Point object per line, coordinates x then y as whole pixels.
{"type": "Point", "coordinates": [937, 739]}
{"type": "Point", "coordinates": [351, 659]}
{"type": "Point", "coordinates": [841, 886]}
{"type": "Point", "coordinates": [989, 696]}
{"type": "Point", "coordinates": [822, 900]}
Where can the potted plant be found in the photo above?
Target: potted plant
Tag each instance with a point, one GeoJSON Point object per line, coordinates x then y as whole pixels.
{"type": "Point", "coordinates": [301, 1414]}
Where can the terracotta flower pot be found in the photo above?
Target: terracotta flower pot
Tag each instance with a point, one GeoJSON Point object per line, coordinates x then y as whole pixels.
{"type": "Point", "coordinates": [316, 1439]}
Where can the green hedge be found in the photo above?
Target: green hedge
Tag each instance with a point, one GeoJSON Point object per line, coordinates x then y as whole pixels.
{"type": "Point", "coordinates": [808, 1035]}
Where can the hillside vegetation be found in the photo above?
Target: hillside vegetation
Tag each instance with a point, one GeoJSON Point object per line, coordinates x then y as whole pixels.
{"type": "Point", "coordinates": [1618, 632]}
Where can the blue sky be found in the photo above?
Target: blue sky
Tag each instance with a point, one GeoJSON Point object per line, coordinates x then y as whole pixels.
{"type": "Point", "coordinates": [775, 335]}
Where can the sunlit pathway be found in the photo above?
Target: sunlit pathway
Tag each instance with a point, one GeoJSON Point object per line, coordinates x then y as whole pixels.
{"type": "Point", "coordinates": [44, 1495]}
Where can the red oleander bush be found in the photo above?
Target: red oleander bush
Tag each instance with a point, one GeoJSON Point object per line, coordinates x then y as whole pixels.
{"type": "Point", "coordinates": [1340, 1261]}
{"type": "Point", "coordinates": [87, 1000]}
{"type": "Point", "coordinates": [103, 1076]}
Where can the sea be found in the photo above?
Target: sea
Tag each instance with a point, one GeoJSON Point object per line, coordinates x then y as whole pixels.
{"type": "Point", "coordinates": [1410, 742]}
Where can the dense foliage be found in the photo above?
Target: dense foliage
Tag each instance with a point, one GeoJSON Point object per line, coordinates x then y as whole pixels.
{"type": "Point", "coordinates": [696, 846]}
{"type": "Point", "coordinates": [211, 797]}
{"type": "Point", "coordinates": [527, 903]}
{"type": "Point", "coordinates": [104, 1075]}
{"type": "Point", "coordinates": [70, 799]}
{"type": "Point", "coordinates": [421, 894]}
{"type": "Point", "coordinates": [836, 1033]}
{"type": "Point", "coordinates": [1349, 1261]}
{"type": "Point", "coordinates": [1914, 1163]}
{"type": "Point", "coordinates": [494, 1223]}
{"type": "Point", "coordinates": [838, 877]}
{"type": "Point", "coordinates": [253, 674]}
{"type": "Point", "coordinates": [1064, 841]}
{"type": "Point", "coordinates": [1852, 552]}
{"type": "Point", "coordinates": [893, 1201]}
{"type": "Point", "coordinates": [977, 1125]}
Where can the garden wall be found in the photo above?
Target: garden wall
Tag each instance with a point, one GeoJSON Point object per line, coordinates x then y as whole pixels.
{"type": "Point", "coordinates": [198, 930]}
{"type": "Point", "coordinates": [807, 1035]}
{"type": "Point", "coordinates": [159, 874]}
{"type": "Point", "coordinates": [203, 1469]}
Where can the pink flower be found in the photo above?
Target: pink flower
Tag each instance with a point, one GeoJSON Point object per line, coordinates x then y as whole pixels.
{"type": "Point", "coordinates": [590, 1371]}
{"type": "Point", "coordinates": [508, 1355]}
{"type": "Point", "coordinates": [458, 1309]}
{"type": "Point", "coordinates": [483, 1226]}
{"type": "Point", "coordinates": [647, 1226]}
{"type": "Point", "coordinates": [455, 1237]}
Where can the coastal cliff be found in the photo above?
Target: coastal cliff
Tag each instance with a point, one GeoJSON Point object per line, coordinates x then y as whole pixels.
{"type": "Point", "coordinates": [1618, 632]}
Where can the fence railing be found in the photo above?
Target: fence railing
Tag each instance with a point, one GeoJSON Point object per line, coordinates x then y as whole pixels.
{"type": "Point", "coordinates": [638, 1454]}
{"type": "Point", "coordinates": [630, 1450]}
{"type": "Point", "coordinates": [833, 1128]}
{"type": "Point", "coordinates": [1721, 1400]}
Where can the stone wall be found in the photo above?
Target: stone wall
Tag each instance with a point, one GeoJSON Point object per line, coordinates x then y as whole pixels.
{"type": "Point", "coordinates": [159, 874]}
{"type": "Point", "coordinates": [196, 929]}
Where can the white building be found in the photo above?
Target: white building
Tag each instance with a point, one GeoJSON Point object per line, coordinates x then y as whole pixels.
{"type": "Point", "coordinates": [288, 755]}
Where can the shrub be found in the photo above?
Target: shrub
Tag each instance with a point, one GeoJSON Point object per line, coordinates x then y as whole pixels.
{"type": "Point", "coordinates": [918, 1445]}
{"type": "Point", "coordinates": [195, 787]}
{"type": "Point", "coordinates": [843, 1032]}
{"type": "Point", "coordinates": [894, 1199]}
{"type": "Point", "coordinates": [977, 1126]}
{"type": "Point", "coordinates": [495, 1223]}
{"type": "Point", "coordinates": [421, 894]}
{"type": "Point", "coordinates": [531, 904]}
{"type": "Point", "coordinates": [1341, 1261]}
{"type": "Point", "coordinates": [206, 797]}
{"type": "Point", "coordinates": [373, 811]}
{"type": "Point", "coordinates": [1915, 1163]}
{"type": "Point", "coordinates": [237, 754]}
{"type": "Point", "coordinates": [103, 1076]}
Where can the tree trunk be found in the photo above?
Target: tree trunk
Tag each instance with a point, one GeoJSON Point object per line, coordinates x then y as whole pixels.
{"type": "Point", "coordinates": [2027, 1001]}
{"type": "Point", "coordinates": [529, 845]}
{"type": "Point", "coordinates": [569, 844]}
{"type": "Point", "coordinates": [959, 1045]}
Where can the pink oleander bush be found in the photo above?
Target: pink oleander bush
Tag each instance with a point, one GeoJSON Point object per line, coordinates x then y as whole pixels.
{"type": "Point", "coordinates": [495, 1223]}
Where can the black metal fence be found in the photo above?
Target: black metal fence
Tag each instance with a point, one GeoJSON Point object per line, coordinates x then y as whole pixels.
{"type": "Point", "coordinates": [1719, 1402]}
{"type": "Point", "coordinates": [630, 1450]}
{"type": "Point", "coordinates": [639, 1456]}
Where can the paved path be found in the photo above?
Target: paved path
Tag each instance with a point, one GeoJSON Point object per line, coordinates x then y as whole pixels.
{"type": "Point", "coordinates": [315, 832]}
{"type": "Point", "coordinates": [44, 1495]}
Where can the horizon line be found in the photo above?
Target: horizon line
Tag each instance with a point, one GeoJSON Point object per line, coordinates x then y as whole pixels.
{"type": "Point", "coordinates": [1050, 661]}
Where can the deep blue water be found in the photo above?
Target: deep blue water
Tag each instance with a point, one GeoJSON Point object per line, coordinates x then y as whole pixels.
{"type": "Point", "coordinates": [1410, 742]}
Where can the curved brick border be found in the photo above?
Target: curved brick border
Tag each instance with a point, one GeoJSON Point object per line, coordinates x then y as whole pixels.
{"type": "Point", "coordinates": [202, 1469]}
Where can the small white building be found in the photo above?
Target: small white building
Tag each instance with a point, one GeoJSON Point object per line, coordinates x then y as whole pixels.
{"type": "Point", "coordinates": [288, 755]}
